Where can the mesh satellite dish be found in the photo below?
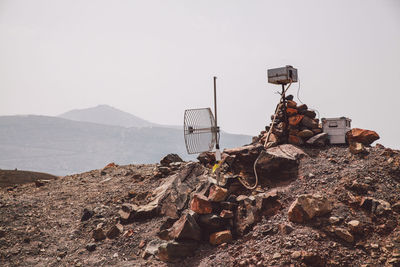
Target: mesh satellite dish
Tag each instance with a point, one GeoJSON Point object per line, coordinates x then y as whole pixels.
{"type": "Point", "coordinates": [201, 130]}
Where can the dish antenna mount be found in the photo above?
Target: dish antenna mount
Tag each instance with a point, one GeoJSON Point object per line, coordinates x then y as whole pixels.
{"type": "Point", "coordinates": [201, 130]}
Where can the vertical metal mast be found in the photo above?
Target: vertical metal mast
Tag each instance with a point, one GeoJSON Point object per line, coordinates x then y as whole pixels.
{"type": "Point", "coordinates": [215, 112]}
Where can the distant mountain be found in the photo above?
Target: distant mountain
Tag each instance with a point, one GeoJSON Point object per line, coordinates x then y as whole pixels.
{"type": "Point", "coordinates": [61, 146]}
{"type": "Point", "coordinates": [105, 114]}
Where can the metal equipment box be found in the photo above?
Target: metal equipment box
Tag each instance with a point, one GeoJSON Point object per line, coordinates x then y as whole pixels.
{"type": "Point", "coordinates": [283, 75]}
{"type": "Point", "coordinates": [336, 128]}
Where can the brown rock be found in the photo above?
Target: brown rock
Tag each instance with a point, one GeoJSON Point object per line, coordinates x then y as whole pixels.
{"type": "Point", "coordinates": [302, 107]}
{"type": "Point", "coordinates": [305, 133]}
{"type": "Point", "coordinates": [295, 120]}
{"type": "Point", "coordinates": [272, 138]}
{"type": "Point", "coordinates": [291, 104]}
{"type": "Point", "coordinates": [200, 204]}
{"type": "Point", "coordinates": [376, 206]}
{"type": "Point", "coordinates": [291, 111]}
{"type": "Point", "coordinates": [366, 137]}
{"type": "Point", "coordinates": [309, 123]}
{"type": "Point", "coordinates": [285, 228]}
{"type": "Point", "coordinates": [185, 228]}
{"type": "Point", "coordinates": [2, 232]}
{"type": "Point", "coordinates": [310, 113]}
{"type": "Point", "coordinates": [344, 234]}
{"type": "Point", "coordinates": [313, 259]}
{"type": "Point", "coordinates": [295, 140]}
{"type": "Point", "coordinates": [226, 214]}
{"type": "Point", "coordinates": [221, 237]}
{"type": "Point", "coordinates": [317, 130]}
{"type": "Point", "coordinates": [170, 158]}
{"type": "Point", "coordinates": [142, 243]}
{"type": "Point", "coordinates": [357, 148]}
{"type": "Point", "coordinates": [354, 226]}
{"type": "Point", "coordinates": [268, 203]}
{"type": "Point", "coordinates": [98, 233]}
{"type": "Point", "coordinates": [294, 131]}
{"type": "Point", "coordinates": [173, 251]}
{"type": "Point", "coordinates": [306, 207]}
{"type": "Point", "coordinates": [115, 231]}
{"type": "Point", "coordinates": [217, 193]}
{"type": "Point", "coordinates": [318, 140]}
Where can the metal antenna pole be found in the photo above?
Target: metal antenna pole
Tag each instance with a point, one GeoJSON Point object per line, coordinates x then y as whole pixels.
{"type": "Point", "coordinates": [216, 132]}
{"type": "Point", "coordinates": [215, 100]}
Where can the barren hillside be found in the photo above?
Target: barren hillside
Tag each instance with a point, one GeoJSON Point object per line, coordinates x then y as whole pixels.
{"type": "Point", "coordinates": [331, 208]}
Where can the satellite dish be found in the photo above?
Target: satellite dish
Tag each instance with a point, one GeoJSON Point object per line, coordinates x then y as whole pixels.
{"type": "Point", "coordinates": [201, 131]}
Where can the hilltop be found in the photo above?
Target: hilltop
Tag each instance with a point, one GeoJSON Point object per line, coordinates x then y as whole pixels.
{"type": "Point", "coordinates": [327, 207]}
{"type": "Point", "coordinates": [104, 114]}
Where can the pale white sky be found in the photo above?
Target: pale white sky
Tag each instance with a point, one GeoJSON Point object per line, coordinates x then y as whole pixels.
{"type": "Point", "coordinates": [155, 59]}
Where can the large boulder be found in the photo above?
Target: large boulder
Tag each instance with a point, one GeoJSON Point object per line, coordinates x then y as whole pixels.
{"type": "Point", "coordinates": [279, 163]}
{"type": "Point", "coordinates": [306, 207]}
{"type": "Point", "coordinates": [170, 198]}
{"type": "Point", "coordinates": [366, 137]}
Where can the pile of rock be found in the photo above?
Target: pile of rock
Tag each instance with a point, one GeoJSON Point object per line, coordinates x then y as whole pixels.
{"type": "Point", "coordinates": [293, 124]}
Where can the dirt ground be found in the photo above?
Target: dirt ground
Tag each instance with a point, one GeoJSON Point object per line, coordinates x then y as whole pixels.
{"type": "Point", "coordinates": [41, 225]}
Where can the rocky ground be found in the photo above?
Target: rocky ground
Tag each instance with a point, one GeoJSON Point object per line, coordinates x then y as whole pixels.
{"type": "Point", "coordinates": [331, 208]}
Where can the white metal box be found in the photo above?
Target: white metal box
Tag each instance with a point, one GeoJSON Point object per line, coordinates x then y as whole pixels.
{"type": "Point", "coordinates": [336, 128]}
{"type": "Point", "coordinates": [282, 75]}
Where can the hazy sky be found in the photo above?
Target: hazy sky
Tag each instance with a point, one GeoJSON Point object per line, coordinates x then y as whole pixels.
{"type": "Point", "coordinates": [155, 59]}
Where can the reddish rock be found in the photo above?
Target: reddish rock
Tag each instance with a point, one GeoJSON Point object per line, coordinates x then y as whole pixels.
{"type": "Point", "coordinates": [110, 165]}
{"type": "Point", "coordinates": [217, 193]}
{"type": "Point", "coordinates": [200, 204]}
{"type": "Point", "coordinates": [226, 214]}
{"type": "Point", "coordinates": [185, 228]}
{"type": "Point", "coordinates": [295, 120]}
{"type": "Point", "coordinates": [291, 111]}
{"type": "Point", "coordinates": [221, 237]}
{"type": "Point", "coordinates": [366, 137]}
{"type": "Point", "coordinates": [295, 140]}
{"type": "Point", "coordinates": [291, 104]}
{"type": "Point", "coordinates": [306, 207]}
